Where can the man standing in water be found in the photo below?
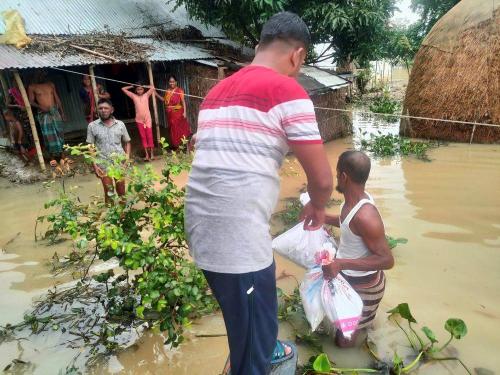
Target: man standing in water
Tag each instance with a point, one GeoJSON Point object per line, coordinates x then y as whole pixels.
{"type": "Point", "coordinates": [111, 138]}
{"type": "Point", "coordinates": [246, 125]}
{"type": "Point", "coordinates": [43, 95]}
{"type": "Point", "coordinates": [363, 249]}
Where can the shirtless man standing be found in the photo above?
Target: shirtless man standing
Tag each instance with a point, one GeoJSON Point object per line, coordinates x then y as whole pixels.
{"type": "Point", "coordinates": [43, 95]}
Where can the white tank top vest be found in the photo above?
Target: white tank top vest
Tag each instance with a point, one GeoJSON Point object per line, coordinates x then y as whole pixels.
{"type": "Point", "coordinates": [352, 246]}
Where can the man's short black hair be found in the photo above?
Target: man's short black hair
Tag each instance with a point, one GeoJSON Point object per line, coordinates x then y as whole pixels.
{"type": "Point", "coordinates": [355, 164]}
{"type": "Point", "coordinates": [104, 100]}
{"type": "Point", "coordinates": [285, 26]}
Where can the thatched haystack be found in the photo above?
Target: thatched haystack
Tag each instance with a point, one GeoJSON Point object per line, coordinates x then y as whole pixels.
{"type": "Point", "coordinates": [456, 76]}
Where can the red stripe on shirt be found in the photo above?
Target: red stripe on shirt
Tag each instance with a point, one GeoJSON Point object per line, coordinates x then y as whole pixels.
{"type": "Point", "coordinates": [305, 141]}
{"type": "Point", "coordinates": [240, 126]}
{"type": "Point", "coordinates": [298, 119]}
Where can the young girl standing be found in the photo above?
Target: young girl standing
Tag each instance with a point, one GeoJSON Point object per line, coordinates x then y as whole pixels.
{"type": "Point", "coordinates": [143, 116]}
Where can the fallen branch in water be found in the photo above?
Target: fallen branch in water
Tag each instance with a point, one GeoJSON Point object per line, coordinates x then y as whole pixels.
{"type": "Point", "coordinates": [11, 240]}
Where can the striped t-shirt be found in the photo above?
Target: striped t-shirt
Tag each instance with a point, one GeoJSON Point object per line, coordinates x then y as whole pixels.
{"type": "Point", "coordinates": [247, 120]}
{"type": "Point", "coordinates": [245, 125]}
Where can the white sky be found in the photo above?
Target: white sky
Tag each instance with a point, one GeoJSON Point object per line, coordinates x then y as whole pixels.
{"type": "Point", "coordinates": [405, 14]}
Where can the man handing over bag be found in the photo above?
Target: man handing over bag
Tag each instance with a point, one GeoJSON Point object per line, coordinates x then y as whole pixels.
{"type": "Point", "coordinates": [363, 251]}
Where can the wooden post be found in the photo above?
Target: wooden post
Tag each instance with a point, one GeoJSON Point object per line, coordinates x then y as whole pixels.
{"type": "Point", "coordinates": [31, 118]}
{"type": "Point", "coordinates": [94, 84]}
{"type": "Point", "coordinates": [155, 105]}
{"type": "Point", "coordinates": [221, 72]}
{"type": "Point", "coordinates": [472, 135]}
{"type": "Point", "coordinates": [5, 88]}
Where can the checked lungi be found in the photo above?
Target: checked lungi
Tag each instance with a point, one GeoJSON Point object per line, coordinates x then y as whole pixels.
{"type": "Point", "coordinates": [52, 131]}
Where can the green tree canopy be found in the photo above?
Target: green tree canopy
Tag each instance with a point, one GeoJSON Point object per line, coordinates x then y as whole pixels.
{"type": "Point", "coordinates": [430, 11]}
{"type": "Point", "coordinates": [351, 28]}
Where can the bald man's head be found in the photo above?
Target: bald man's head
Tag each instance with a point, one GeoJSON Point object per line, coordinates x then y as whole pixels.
{"type": "Point", "coordinates": [356, 165]}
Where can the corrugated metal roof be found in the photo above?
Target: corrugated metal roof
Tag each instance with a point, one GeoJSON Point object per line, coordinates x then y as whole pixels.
{"type": "Point", "coordinates": [134, 17]}
{"type": "Point", "coordinates": [10, 57]}
{"type": "Point", "coordinates": [170, 51]}
{"type": "Point", "coordinates": [326, 79]}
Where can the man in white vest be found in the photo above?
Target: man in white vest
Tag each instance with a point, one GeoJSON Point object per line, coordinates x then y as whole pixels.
{"type": "Point", "coordinates": [363, 249]}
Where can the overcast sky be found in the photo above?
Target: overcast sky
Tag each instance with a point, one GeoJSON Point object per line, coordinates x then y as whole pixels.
{"type": "Point", "coordinates": [405, 14]}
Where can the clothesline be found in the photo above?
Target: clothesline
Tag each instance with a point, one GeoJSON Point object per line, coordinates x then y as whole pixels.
{"type": "Point", "coordinates": [321, 108]}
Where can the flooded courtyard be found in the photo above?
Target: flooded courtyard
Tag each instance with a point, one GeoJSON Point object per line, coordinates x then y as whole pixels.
{"type": "Point", "coordinates": [448, 209]}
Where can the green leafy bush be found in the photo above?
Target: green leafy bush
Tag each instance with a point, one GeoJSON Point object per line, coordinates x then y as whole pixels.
{"type": "Point", "coordinates": [385, 104]}
{"type": "Point", "coordinates": [155, 285]}
{"type": "Point", "coordinates": [392, 145]}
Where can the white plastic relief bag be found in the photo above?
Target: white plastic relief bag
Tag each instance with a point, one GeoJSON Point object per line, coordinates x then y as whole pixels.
{"type": "Point", "coordinates": [311, 287]}
{"type": "Point", "coordinates": [300, 245]}
{"type": "Point", "coordinates": [310, 293]}
{"type": "Point", "coordinates": [342, 305]}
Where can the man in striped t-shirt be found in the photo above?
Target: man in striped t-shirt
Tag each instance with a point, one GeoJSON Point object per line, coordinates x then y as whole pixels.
{"type": "Point", "coordinates": [246, 125]}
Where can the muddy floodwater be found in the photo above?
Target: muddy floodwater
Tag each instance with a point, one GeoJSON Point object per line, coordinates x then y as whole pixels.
{"type": "Point", "coordinates": [448, 209]}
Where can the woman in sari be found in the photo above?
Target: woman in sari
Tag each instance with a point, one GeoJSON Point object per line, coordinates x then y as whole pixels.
{"type": "Point", "coordinates": [175, 108]}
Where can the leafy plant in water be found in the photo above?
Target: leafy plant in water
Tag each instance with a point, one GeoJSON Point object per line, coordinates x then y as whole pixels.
{"type": "Point", "coordinates": [392, 145]}
{"type": "Point", "coordinates": [393, 242]}
{"type": "Point", "coordinates": [424, 351]}
{"type": "Point", "coordinates": [385, 104]}
{"type": "Point", "coordinates": [321, 364]}
{"type": "Point", "coordinates": [144, 232]}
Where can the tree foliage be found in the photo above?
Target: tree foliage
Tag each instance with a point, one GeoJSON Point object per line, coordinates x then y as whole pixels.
{"type": "Point", "coordinates": [400, 45]}
{"type": "Point", "coordinates": [351, 28]}
{"type": "Point", "coordinates": [431, 11]}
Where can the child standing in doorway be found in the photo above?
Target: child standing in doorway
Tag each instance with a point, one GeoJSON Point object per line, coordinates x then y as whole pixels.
{"type": "Point", "coordinates": [143, 116]}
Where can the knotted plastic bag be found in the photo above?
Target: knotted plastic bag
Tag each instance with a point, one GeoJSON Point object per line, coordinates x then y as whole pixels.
{"type": "Point", "coordinates": [300, 245]}
{"type": "Point", "coordinates": [334, 298]}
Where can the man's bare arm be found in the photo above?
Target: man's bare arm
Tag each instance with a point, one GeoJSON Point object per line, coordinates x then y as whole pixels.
{"type": "Point", "coordinates": [31, 97]}
{"type": "Point", "coordinates": [313, 159]}
{"type": "Point", "coordinates": [333, 220]}
{"type": "Point", "coordinates": [369, 226]}
{"type": "Point", "coordinates": [127, 148]}
{"type": "Point", "coordinates": [158, 95]}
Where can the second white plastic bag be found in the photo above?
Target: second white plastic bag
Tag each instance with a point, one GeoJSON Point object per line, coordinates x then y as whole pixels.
{"type": "Point", "coordinates": [300, 245]}
{"type": "Point", "coordinates": [310, 293]}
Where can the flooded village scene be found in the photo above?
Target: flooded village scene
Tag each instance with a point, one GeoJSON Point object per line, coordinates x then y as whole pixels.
{"type": "Point", "coordinates": [250, 187]}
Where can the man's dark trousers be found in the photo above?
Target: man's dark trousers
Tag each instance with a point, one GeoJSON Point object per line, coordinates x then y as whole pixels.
{"type": "Point", "coordinates": [250, 307]}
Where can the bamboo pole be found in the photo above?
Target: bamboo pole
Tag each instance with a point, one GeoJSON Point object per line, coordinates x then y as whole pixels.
{"type": "Point", "coordinates": [5, 88]}
{"type": "Point", "coordinates": [94, 53]}
{"type": "Point", "coordinates": [94, 84]}
{"type": "Point", "coordinates": [31, 118]}
{"type": "Point", "coordinates": [155, 105]}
